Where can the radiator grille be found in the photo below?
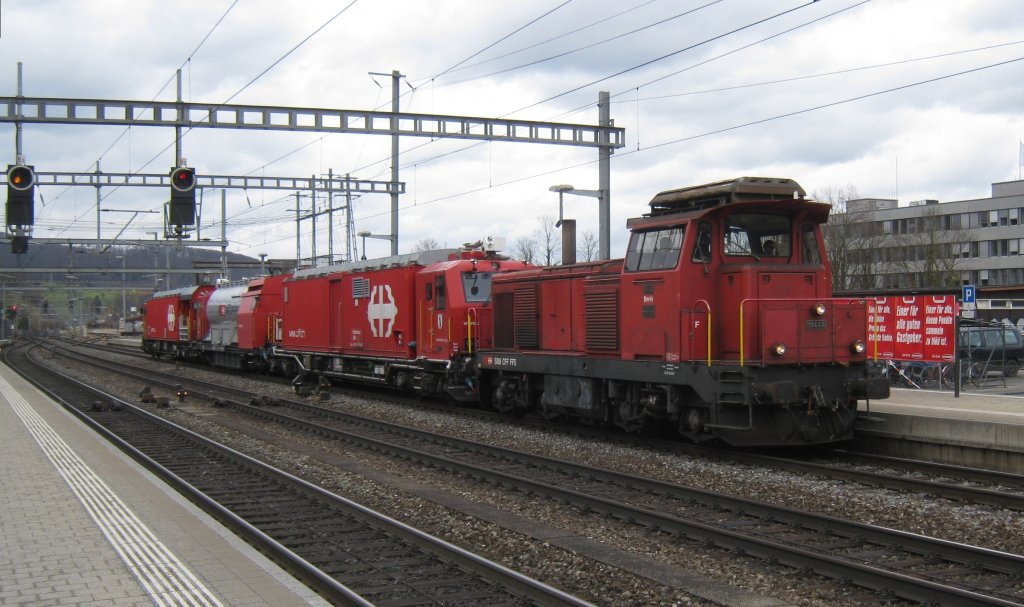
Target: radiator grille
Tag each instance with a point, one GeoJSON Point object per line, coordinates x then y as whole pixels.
{"type": "Point", "coordinates": [360, 288]}
{"type": "Point", "coordinates": [526, 317]}
{"type": "Point", "coordinates": [602, 318]}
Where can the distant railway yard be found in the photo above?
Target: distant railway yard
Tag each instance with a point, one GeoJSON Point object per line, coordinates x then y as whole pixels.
{"type": "Point", "coordinates": [600, 517]}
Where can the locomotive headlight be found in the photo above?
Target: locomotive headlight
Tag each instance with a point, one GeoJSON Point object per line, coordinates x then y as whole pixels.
{"type": "Point", "coordinates": [818, 309]}
{"type": "Point", "coordinates": [858, 346]}
{"type": "Point", "coordinates": [778, 348]}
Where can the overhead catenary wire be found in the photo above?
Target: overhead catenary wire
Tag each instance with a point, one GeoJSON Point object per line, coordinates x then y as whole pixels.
{"type": "Point", "coordinates": [557, 37]}
{"type": "Point", "coordinates": [503, 38]}
{"type": "Point", "coordinates": [645, 64]}
{"type": "Point", "coordinates": [584, 47]}
{"type": "Point", "coordinates": [243, 88]}
{"type": "Point", "coordinates": [719, 131]}
{"type": "Point", "coordinates": [127, 129]}
{"type": "Point", "coordinates": [824, 74]}
{"type": "Point", "coordinates": [663, 57]}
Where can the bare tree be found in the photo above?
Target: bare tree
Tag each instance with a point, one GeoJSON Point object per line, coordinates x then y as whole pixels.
{"type": "Point", "coordinates": [588, 246]}
{"type": "Point", "coordinates": [853, 245]}
{"type": "Point", "coordinates": [548, 238]}
{"type": "Point", "coordinates": [427, 244]}
{"type": "Point", "coordinates": [933, 251]}
{"type": "Point", "coordinates": [525, 249]}
{"type": "Point", "coordinates": [867, 254]}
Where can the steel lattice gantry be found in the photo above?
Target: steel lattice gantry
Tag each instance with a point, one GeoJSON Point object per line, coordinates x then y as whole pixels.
{"type": "Point", "coordinates": [188, 115]}
{"type": "Point", "coordinates": [45, 110]}
{"type": "Point", "coordinates": [321, 184]}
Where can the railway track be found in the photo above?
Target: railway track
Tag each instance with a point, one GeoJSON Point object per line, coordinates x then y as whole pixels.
{"type": "Point", "coordinates": [349, 553]}
{"type": "Point", "coordinates": [907, 565]}
{"type": "Point", "coordinates": [969, 485]}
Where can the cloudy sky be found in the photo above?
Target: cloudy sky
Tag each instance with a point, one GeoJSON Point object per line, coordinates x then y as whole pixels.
{"type": "Point", "coordinates": [896, 98]}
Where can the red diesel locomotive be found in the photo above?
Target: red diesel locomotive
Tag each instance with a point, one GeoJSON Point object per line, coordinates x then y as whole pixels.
{"type": "Point", "coordinates": [718, 323]}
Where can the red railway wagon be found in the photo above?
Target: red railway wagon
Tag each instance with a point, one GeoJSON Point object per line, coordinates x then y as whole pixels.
{"type": "Point", "coordinates": [360, 309]}
{"type": "Point", "coordinates": [172, 320]}
{"type": "Point", "coordinates": [409, 321]}
{"type": "Point", "coordinates": [260, 324]}
{"type": "Point", "coordinates": [718, 322]}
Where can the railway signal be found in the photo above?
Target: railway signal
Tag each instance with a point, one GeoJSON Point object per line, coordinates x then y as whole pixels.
{"type": "Point", "coordinates": [21, 184]}
{"type": "Point", "coordinates": [183, 197]}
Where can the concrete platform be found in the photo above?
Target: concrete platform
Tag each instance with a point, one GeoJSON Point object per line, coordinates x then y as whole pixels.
{"type": "Point", "coordinates": [84, 525]}
{"type": "Point", "coordinates": [982, 428]}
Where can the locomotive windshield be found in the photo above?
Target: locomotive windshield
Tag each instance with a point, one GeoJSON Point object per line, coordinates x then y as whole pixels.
{"type": "Point", "coordinates": [654, 249]}
{"type": "Point", "coordinates": [757, 234]}
{"type": "Point", "coordinates": [476, 285]}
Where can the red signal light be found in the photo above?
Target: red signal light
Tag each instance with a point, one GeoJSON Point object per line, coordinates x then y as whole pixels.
{"type": "Point", "coordinates": [183, 179]}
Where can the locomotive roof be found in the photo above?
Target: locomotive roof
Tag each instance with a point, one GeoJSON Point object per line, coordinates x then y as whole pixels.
{"type": "Point", "coordinates": [182, 292]}
{"type": "Point", "coordinates": [724, 192]}
{"type": "Point", "coordinates": [422, 258]}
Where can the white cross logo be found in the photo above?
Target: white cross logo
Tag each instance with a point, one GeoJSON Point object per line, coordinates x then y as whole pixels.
{"type": "Point", "coordinates": [382, 308]}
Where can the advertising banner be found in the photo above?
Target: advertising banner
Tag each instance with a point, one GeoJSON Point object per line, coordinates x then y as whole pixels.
{"type": "Point", "coordinates": [914, 328]}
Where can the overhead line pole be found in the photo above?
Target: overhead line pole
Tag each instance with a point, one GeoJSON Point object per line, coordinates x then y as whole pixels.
{"type": "Point", "coordinates": [395, 79]}
{"type": "Point", "coordinates": [177, 127]}
{"type": "Point", "coordinates": [604, 178]}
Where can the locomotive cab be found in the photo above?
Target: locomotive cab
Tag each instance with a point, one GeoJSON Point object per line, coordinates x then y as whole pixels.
{"type": "Point", "coordinates": [754, 309]}
{"type": "Point", "coordinates": [455, 316]}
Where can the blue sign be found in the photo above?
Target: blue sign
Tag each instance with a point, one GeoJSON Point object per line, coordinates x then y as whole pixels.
{"type": "Point", "coordinates": [969, 293]}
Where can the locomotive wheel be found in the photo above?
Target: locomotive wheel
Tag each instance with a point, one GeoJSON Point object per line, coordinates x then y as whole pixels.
{"type": "Point", "coordinates": [691, 422]}
{"type": "Point", "coordinates": [510, 397]}
{"type": "Point", "coordinates": [627, 418]}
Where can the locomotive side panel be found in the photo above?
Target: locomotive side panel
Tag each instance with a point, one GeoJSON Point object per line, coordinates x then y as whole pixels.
{"type": "Point", "coordinates": [259, 315]}
{"type": "Point", "coordinates": [374, 313]}
{"type": "Point", "coordinates": [650, 294]}
{"type": "Point", "coordinates": [160, 317]}
{"type": "Point", "coordinates": [306, 317]}
{"type": "Point", "coordinates": [556, 315]}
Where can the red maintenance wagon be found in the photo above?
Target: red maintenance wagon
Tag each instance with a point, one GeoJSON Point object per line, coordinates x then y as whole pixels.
{"type": "Point", "coordinates": [173, 320]}
{"type": "Point", "coordinates": [410, 321]}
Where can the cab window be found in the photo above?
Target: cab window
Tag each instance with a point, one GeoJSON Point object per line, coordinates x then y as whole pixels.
{"type": "Point", "coordinates": [702, 247]}
{"type": "Point", "coordinates": [810, 253]}
{"type": "Point", "coordinates": [439, 293]}
{"type": "Point", "coordinates": [476, 286]}
{"type": "Point", "coordinates": [654, 249]}
{"type": "Point", "coordinates": [758, 235]}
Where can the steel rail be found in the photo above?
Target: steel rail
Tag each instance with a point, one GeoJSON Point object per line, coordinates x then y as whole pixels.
{"type": "Point", "coordinates": [517, 583]}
